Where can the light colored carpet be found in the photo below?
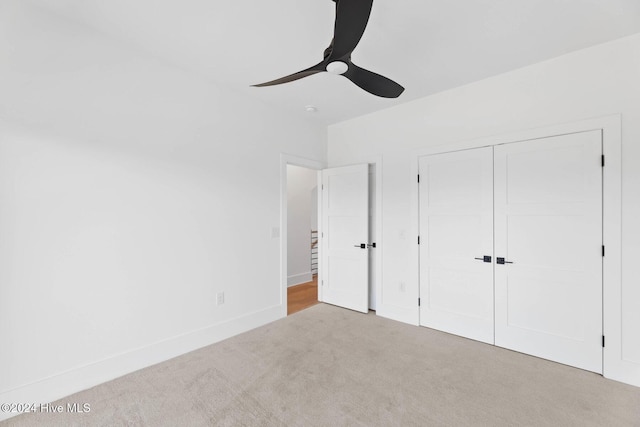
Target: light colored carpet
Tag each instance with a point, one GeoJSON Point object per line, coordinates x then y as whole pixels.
{"type": "Point", "coordinates": [326, 366]}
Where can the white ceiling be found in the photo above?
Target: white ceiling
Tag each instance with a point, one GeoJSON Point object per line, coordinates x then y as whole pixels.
{"type": "Point", "coordinates": [428, 46]}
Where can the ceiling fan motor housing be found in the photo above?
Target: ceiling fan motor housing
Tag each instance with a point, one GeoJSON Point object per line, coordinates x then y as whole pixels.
{"type": "Point", "coordinates": [337, 67]}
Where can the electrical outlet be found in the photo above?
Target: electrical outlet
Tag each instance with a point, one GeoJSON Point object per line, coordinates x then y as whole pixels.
{"type": "Point", "coordinates": [403, 287]}
{"type": "Point", "coordinates": [220, 298]}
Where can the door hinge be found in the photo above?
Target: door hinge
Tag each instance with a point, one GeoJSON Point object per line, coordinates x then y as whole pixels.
{"type": "Point", "coordinates": [418, 302]}
{"type": "Point", "coordinates": [603, 160]}
{"type": "Point", "coordinates": [603, 341]}
{"type": "Point", "coordinates": [418, 177]}
{"type": "Point", "coordinates": [322, 186]}
{"type": "Point", "coordinates": [418, 239]}
{"type": "Point", "coordinates": [602, 250]}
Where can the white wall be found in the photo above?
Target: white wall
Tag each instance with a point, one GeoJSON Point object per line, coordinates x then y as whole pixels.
{"type": "Point", "coordinates": [131, 193]}
{"type": "Point", "coordinates": [301, 183]}
{"type": "Point", "coordinates": [594, 82]}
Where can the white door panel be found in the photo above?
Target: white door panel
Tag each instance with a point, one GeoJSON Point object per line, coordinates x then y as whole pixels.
{"type": "Point", "coordinates": [548, 223]}
{"type": "Point", "coordinates": [456, 227]}
{"type": "Point", "coordinates": [345, 217]}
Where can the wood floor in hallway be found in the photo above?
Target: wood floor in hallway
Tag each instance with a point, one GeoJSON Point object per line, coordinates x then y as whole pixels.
{"type": "Point", "coordinates": [302, 296]}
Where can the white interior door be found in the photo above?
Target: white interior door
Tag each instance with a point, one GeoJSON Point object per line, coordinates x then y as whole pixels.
{"type": "Point", "coordinates": [456, 230]}
{"type": "Point", "coordinates": [345, 228]}
{"type": "Point", "coordinates": [548, 230]}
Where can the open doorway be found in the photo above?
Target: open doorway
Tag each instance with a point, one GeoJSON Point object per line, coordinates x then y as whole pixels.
{"type": "Point", "coordinates": [302, 238]}
{"type": "Point", "coordinates": [290, 278]}
{"type": "Point", "coordinates": [309, 253]}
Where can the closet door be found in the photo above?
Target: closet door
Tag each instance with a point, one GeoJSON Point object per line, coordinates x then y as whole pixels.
{"type": "Point", "coordinates": [548, 231]}
{"type": "Point", "coordinates": [456, 248]}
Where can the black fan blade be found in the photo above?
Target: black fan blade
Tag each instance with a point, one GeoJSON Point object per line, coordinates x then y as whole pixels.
{"type": "Point", "coordinates": [351, 20]}
{"type": "Point", "coordinates": [373, 83]}
{"type": "Point", "coordinates": [318, 68]}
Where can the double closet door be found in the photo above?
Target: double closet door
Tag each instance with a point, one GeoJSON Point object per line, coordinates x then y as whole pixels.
{"type": "Point", "coordinates": [511, 246]}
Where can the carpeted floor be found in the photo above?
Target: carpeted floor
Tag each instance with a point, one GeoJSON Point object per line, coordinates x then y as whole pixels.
{"type": "Point", "coordinates": [326, 366]}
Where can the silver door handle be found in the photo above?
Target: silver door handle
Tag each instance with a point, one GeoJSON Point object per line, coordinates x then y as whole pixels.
{"type": "Point", "coordinates": [361, 246]}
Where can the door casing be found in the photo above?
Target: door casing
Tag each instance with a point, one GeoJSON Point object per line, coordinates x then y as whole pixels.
{"type": "Point", "coordinates": [289, 159]}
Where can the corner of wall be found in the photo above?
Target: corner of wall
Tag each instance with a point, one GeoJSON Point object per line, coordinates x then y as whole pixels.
{"type": "Point", "coordinates": [83, 377]}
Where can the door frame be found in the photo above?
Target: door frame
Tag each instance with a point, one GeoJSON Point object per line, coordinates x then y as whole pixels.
{"type": "Point", "coordinates": [614, 364]}
{"type": "Point", "coordinates": [288, 159]}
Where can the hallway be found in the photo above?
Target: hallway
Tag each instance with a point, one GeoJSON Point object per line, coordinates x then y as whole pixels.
{"type": "Point", "coordinates": [302, 296]}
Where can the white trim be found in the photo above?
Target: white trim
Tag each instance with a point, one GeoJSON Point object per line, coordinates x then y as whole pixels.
{"type": "Point", "coordinates": [379, 246]}
{"type": "Point", "coordinates": [399, 313]}
{"type": "Point", "coordinates": [524, 135]}
{"type": "Point", "coordinates": [614, 364]}
{"type": "Point", "coordinates": [297, 279]}
{"type": "Point", "coordinates": [377, 160]}
{"type": "Point", "coordinates": [81, 378]}
{"type": "Point", "coordinates": [288, 159]}
{"type": "Point", "coordinates": [320, 234]}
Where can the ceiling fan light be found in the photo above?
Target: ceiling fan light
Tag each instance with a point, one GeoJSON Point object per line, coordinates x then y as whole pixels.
{"type": "Point", "coordinates": [337, 67]}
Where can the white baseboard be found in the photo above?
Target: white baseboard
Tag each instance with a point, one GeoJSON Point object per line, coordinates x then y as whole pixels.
{"type": "Point", "coordinates": [297, 279]}
{"type": "Point", "coordinates": [81, 378]}
{"type": "Point", "coordinates": [400, 314]}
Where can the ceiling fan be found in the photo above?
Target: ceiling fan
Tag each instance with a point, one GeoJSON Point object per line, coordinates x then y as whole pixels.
{"type": "Point", "coordinates": [351, 20]}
